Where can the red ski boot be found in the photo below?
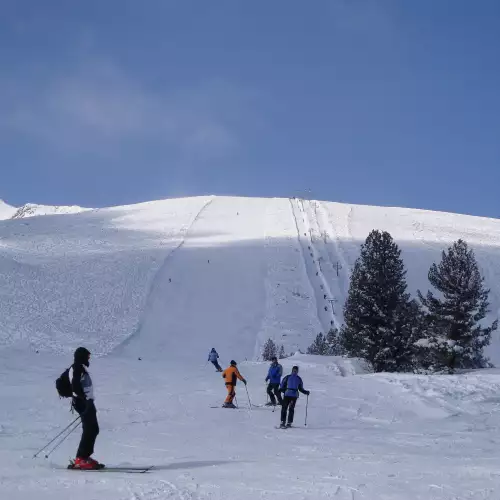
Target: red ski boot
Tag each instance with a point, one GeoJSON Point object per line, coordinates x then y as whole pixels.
{"type": "Point", "coordinates": [85, 464]}
{"type": "Point", "coordinates": [97, 464]}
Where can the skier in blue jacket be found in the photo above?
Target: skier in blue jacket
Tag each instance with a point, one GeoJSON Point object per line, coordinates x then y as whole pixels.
{"type": "Point", "coordinates": [274, 377]}
{"type": "Point", "coordinates": [291, 386]}
{"type": "Point", "coordinates": [212, 357]}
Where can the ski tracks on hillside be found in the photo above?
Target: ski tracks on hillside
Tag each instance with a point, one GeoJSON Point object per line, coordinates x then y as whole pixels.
{"type": "Point", "coordinates": [311, 256]}
{"type": "Point", "coordinates": [332, 234]}
{"type": "Point", "coordinates": [158, 277]}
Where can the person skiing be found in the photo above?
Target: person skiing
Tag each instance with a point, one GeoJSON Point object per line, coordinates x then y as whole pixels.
{"type": "Point", "coordinates": [230, 375]}
{"type": "Point", "coordinates": [212, 357]}
{"type": "Point", "coordinates": [274, 377]}
{"type": "Point", "coordinates": [291, 385]}
{"type": "Point", "coordinates": [83, 403]}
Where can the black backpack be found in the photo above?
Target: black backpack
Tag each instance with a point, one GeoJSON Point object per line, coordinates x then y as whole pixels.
{"type": "Point", "coordinates": [63, 385]}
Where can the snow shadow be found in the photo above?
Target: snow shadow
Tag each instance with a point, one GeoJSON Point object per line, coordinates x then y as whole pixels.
{"type": "Point", "coordinates": [194, 464]}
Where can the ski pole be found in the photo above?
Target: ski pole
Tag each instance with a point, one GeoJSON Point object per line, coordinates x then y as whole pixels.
{"type": "Point", "coordinates": [50, 442]}
{"type": "Point", "coordinates": [62, 440]}
{"type": "Point", "coordinates": [248, 395]}
{"type": "Point", "coordinates": [307, 404]}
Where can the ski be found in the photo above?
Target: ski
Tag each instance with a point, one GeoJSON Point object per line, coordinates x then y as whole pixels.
{"type": "Point", "coordinates": [126, 470]}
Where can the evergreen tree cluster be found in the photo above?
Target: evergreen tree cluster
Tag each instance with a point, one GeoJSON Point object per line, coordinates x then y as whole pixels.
{"type": "Point", "coordinates": [326, 345]}
{"type": "Point", "coordinates": [394, 332]}
{"type": "Point", "coordinates": [270, 350]}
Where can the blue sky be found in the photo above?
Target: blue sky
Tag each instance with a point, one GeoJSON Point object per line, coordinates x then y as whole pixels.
{"type": "Point", "coordinates": [374, 102]}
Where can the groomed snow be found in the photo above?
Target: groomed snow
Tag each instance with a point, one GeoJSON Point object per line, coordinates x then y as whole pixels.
{"type": "Point", "coordinates": [368, 437]}
{"type": "Point", "coordinates": [167, 280]}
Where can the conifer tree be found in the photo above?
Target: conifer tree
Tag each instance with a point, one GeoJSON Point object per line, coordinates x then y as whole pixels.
{"type": "Point", "coordinates": [456, 338]}
{"type": "Point", "coordinates": [282, 354]}
{"type": "Point", "coordinates": [269, 350]}
{"type": "Point", "coordinates": [378, 312]}
{"type": "Point", "coordinates": [319, 346]}
{"type": "Point", "coordinates": [334, 343]}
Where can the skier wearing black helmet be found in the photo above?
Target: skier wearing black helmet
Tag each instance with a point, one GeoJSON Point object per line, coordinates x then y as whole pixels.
{"type": "Point", "coordinates": [212, 357]}
{"type": "Point", "coordinates": [83, 403]}
{"type": "Point", "coordinates": [230, 375]}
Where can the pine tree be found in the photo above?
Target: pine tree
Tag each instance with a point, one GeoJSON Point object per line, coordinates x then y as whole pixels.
{"type": "Point", "coordinates": [378, 312]}
{"type": "Point", "coordinates": [269, 351]}
{"type": "Point", "coordinates": [319, 346]}
{"type": "Point", "coordinates": [457, 338]}
{"type": "Point", "coordinates": [334, 343]}
{"type": "Point", "coordinates": [282, 354]}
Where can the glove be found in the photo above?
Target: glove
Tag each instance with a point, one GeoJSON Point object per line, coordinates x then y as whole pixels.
{"type": "Point", "coordinates": [265, 380]}
{"type": "Point", "coordinates": [307, 393]}
{"type": "Point", "coordinates": [244, 381]}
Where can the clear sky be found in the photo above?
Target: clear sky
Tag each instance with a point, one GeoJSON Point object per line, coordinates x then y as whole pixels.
{"type": "Point", "coordinates": [107, 102]}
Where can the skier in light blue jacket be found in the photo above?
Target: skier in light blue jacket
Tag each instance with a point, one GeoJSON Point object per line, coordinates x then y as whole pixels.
{"type": "Point", "coordinates": [213, 357]}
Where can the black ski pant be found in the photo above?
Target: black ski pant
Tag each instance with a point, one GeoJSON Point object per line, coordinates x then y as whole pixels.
{"type": "Point", "coordinates": [289, 403]}
{"type": "Point", "coordinates": [274, 393]}
{"type": "Point", "coordinates": [90, 427]}
{"type": "Point", "coordinates": [217, 366]}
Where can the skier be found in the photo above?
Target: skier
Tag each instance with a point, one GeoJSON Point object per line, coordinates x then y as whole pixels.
{"type": "Point", "coordinates": [274, 377]}
{"type": "Point", "coordinates": [291, 385]}
{"type": "Point", "coordinates": [83, 403]}
{"type": "Point", "coordinates": [212, 357]}
{"type": "Point", "coordinates": [230, 375]}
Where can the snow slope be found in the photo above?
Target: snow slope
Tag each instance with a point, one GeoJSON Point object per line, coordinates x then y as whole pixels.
{"type": "Point", "coordinates": [6, 211]}
{"type": "Point", "coordinates": [368, 437]}
{"type": "Point", "coordinates": [167, 280]}
{"type": "Point", "coordinates": [247, 268]}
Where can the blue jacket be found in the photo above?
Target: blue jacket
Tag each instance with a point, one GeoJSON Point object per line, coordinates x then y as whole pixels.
{"type": "Point", "coordinates": [212, 356]}
{"type": "Point", "coordinates": [292, 385]}
{"type": "Point", "coordinates": [274, 374]}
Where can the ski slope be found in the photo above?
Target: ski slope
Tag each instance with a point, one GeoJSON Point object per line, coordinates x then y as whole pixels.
{"type": "Point", "coordinates": [249, 269]}
{"type": "Point", "coordinates": [165, 281]}
{"type": "Point", "coordinates": [368, 437]}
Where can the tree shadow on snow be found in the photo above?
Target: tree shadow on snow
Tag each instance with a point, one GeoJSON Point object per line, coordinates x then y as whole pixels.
{"type": "Point", "coordinates": [192, 465]}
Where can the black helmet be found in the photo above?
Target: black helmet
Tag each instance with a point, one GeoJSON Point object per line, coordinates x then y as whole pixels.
{"type": "Point", "coordinates": [82, 356]}
{"type": "Point", "coordinates": [274, 358]}
{"type": "Point", "coordinates": [295, 368]}
{"type": "Point", "coordinates": [233, 362]}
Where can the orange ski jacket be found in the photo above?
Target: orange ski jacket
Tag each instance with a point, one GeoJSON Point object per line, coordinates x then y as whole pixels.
{"type": "Point", "coordinates": [230, 375]}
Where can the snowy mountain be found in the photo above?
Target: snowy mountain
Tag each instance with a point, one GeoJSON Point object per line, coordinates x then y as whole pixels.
{"type": "Point", "coordinates": [248, 268]}
{"type": "Point", "coordinates": [152, 287]}
{"type": "Point", "coordinates": [33, 210]}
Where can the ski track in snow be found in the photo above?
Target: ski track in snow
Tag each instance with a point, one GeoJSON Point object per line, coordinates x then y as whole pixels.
{"type": "Point", "coordinates": [190, 274]}
{"type": "Point", "coordinates": [162, 272]}
{"type": "Point", "coordinates": [317, 281]}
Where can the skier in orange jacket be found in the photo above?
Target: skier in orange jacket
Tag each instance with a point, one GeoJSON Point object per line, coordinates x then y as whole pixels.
{"type": "Point", "coordinates": [230, 375]}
